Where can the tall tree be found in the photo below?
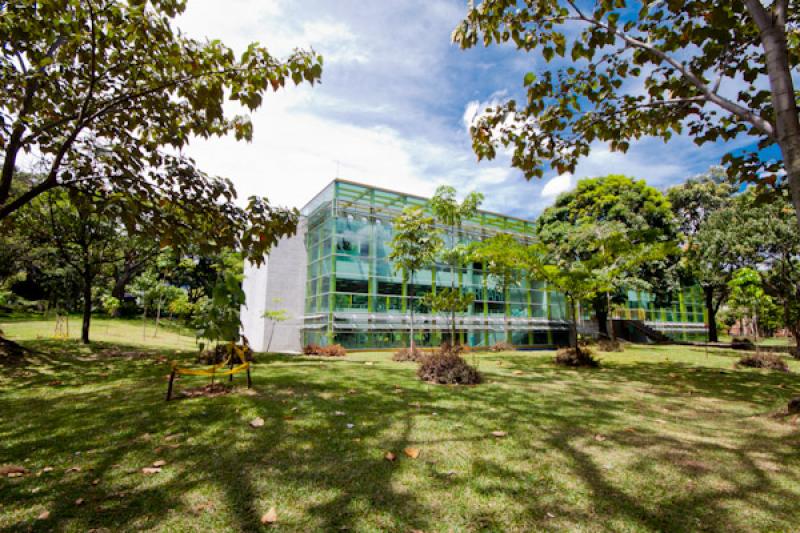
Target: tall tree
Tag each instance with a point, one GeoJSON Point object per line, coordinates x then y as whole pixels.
{"type": "Point", "coordinates": [106, 94]}
{"type": "Point", "coordinates": [415, 243]}
{"type": "Point", "coordinates": [501, 255]}
{"type": "Point", "coordinates": [636, 68]}
{"type": "Point", "coordinates": [639, 211]}
{"type": "Point", "coordinates": [710, 249]}
{"type": "Point", "coordinates": [451, 214]}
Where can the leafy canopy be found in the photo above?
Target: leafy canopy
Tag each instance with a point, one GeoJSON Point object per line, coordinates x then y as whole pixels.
{"type": "Point", "coordinates": [104, 95]}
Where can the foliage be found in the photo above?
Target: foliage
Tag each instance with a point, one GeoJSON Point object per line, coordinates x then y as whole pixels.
{"type": "Point", "coordinates": [769, 361]}
{"type": "Point", "coordinates": [275, 316]}
{"type": "Point", "coordinates": [219, 353]}
{"type": "Point", "coordinates": [408, 354]}
{"type": "Point", "coordinates": [414, 247]}
{"type": "Point", "coordinates": [219, 320]}
{"type": "Point", "coordinates": [447, 369]}
{"type": "Point", "coordinates": [576, 357]}
{"type": "Point", "coordinates": [106, 94]}
{"type": "Point", "coordinates": [704, 207]}
{"type": "Point", "coordinates": [685, 56]}
{"type": "Point", "coordinates": [110, 304]}
{"type": "Point", "coordinates": [501, 256]}
{"type": "Point", "coordinates": [449, 301]}
{"type": "Point", "coordinates": [332, 350]}
{"type": "Point", "coordinates": [747, 297]}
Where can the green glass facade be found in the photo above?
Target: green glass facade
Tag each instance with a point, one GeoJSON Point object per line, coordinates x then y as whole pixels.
{"type": "Point", "coordinates": [355, 297]}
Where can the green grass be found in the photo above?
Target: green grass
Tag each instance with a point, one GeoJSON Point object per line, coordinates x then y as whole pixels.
{"type": "Point", "coordinates": [115, 330]}
{"type": "Point", "coordinates": [657, 439]}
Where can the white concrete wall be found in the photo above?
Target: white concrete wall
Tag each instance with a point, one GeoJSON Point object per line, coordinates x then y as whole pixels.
{"type": "Point", "coordinates": [280, 283]}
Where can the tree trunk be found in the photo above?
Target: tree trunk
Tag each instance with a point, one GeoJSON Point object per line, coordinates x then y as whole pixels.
{"type": "Point", "coordinates": [600, 307]}
{"type": "Point", "coordinates": [611, 333]}
{"type": "Point", "coordinates": [711, 311]}
{"type": "Point", "coordinates": [411, 303]}
{"type": "Point", "coordinates": [573, 325]}
{"type": "Point", "coordinates": [87, 307]}
{"type": "Point", "coordinates": [158, 317]}
{"type": "Point", "coordinates": [787, 124]}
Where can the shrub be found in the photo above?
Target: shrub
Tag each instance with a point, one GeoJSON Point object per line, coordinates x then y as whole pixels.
{"type": "Point", "coordinates": [334, 350]}
{"type": "Point", "coordinates": [501, 347]}
{"type": "Point", "coordinates": [311, 349]}
{"type": "Point", "coordinates": [576, 357]}
{"type": "Point", "coordinates": [742, 344]}
{"type": "Point", "coordinates": [608, 345]}
{"type": "Point", "coordinates": [447, 369]}
{"type": "Point", "coordinates": [446, 349]}
{"type": "Point", "coordinates": [764, 360]}
{"type": "Point", "coordinates": [406, 354]}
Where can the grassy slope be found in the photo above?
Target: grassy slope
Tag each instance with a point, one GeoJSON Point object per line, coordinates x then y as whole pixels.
{"type": "Point", "coordinates": [658, 439]}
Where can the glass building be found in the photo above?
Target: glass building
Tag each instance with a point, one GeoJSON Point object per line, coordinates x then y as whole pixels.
{"type": "Point", "coordinates": [352, 294]}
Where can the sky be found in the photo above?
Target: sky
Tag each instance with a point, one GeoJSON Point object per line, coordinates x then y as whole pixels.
{"type": "Point", "coordinates": [394, 107]}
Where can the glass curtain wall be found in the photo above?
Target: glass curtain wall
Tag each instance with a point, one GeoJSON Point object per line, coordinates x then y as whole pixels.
{"type": "Point", "coordinates": [356, 298]}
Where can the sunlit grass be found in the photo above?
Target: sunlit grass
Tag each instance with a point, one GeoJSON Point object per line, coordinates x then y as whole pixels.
{"type": "Point", "coordinates": [659, 438]}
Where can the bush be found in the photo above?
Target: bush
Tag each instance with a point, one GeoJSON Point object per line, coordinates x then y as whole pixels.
{"type": "Point", "coordinates": [742, 344]}
{"type": "Point", "coordinates": [501, 347]}
{"type": "Point", "coordinates": [608, 345]}
{"type": "Point", "coordinates": [447, 369]}
{"type": "Point", "coordinates": [406, 354]}
{"type": "Point", "coordinates": [764, 360]}
{"type": "Point", "coordinates": [455, 349]}
{"type": "Point", "coordinates": [576, 357]}
{"type": "Point", "coordinates": [334, 350]}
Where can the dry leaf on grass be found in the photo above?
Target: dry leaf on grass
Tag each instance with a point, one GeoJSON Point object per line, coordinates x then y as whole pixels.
{"type": "Point", "coordinates": [257, 422]}
{"type": "Point", "coordinates": [412, 452]}
{"type": "Point", "coordinates": [9, 470]}
{"type": "Point", "coordinates": [205, 506]}
{"type": "Point", "coordinates": [79, 501]}
{"type": "Point", "coordinates": [389, 456]}
{"type": "Point", "coordinates": [599, 438]}
{"type": "Point", "coordinates": [73, 469]}
{"type": "Point", "coordinates": [150, 470]}
{"type": "Point", "coordinates": [47, 469]}
{"type": "Point", "coordinates": [499, 433]}
{"type": "Point", "coordinates": [518, 372]}
{"type": "Point", "coordinates": [44, 515]}
{"type": "Point", "coordinates": [270, 517]}
{"type": "Point", "coordinates": [369, 363]}
{"type": "Point", "coordinates": [96, 482]}
{"type": "Point", "coordinates": [159, 463]}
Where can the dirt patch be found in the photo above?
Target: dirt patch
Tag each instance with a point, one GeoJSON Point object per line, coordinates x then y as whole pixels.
{"type": "Point", "coordinates": [207, 391]}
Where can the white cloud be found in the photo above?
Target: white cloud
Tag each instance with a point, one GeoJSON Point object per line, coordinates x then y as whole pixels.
{"type": "Point", "coordinates": [557, 185]}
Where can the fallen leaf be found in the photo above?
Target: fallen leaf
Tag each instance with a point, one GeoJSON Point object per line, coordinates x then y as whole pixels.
{"type": "Point", "coordinates": [73, 469]}
{"type": "Point", "coordinates": [339, 413]}
{"type": "Point", "coordinates": [599, 438]}
{"type": "Point", "coordinates": [15, 474]}
{"type": "Point", "coordinates": [96, 482]}
{"type": "Point", "coordinates": [55, 383]}
{"type": "Point", "coordinates": [412, 452]}
{"type": "Point", "coordinates": [7, 470]}
{"type": "Point", "coordinates": [550, 515]}
{"type": "Point", "coordinates": [150, 470]}
{"type": "Point", "coordinates": [369, 363]}
{"type": "Point", "coordinates": [270, 517]}
{"type": "Point", "coordinates": [47, 469]}
{"type": "Point", "coordinates": [205, 506]}
{"type": "Point", "coordinates": [79, 501]}
{"type": "Point", "coordinates": [44, 515]}
{"type": "Point", "coordinates": [257, 422]}
{"type": "Point", "coordinates": [499, 433]}
{"type": "Point", "coordinates": [518, 372]}
{"type": "Point", "coordinates": [389, 456]}
{"type": "Point", "coordinates": [352, 391]}
{"type": "Point", "coordinates": [159, 463]}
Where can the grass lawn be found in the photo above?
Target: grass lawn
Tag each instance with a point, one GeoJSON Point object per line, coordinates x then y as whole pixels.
{"type": "Point", "coordinates": [658, 439]}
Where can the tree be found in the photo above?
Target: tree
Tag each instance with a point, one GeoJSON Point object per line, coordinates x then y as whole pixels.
{"type": "Point", "coordinates": [105, 94]}
{"type": "Point", "coordinates": [645, 68]}
{"type": "Point", "coordinates": [449, 301]}
{"type": "Point", "coordinates": [710, 247]}
{"type": "Point", "coordinates": [414, 246]}
{"type": "Point", "coordinates": [748, 298]}
{"type": "Point", "coordinates": [73, 233]}
{"type": "Point", "coordinates": [501, 255]}
{"type": "Point", "coordinates": [275, 316]}
{"type": "Point", "coordinates": [450, 213]}
{"type": "Point", "coordinates": [636, 216]}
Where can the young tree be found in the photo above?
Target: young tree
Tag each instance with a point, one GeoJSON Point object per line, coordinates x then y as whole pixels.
{"type": "Point", "coordinates": [449, 301]}
{"type": "Point", "coordinates": [450, 213]}
{"type": "Point", "coordinates": [107, 93]}
{"type": "Point", "coordinates": [747, 298]}
{"type": "Point", "coordinates": [709, 246]}
{"type": "Point", "coordinates": [414, 246]}
{"type": "Point", "coordinates": [275, 317]}
{"type": "Point", "coordinates": [501, 255]}
{"type": "Point", "coordinates": [685, 55]}
{"type": "Point", "coordinates": [615, 205]}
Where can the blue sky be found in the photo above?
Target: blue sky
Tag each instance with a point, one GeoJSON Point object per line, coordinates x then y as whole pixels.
{"type": "Point", "coordinates": [393, 107]}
